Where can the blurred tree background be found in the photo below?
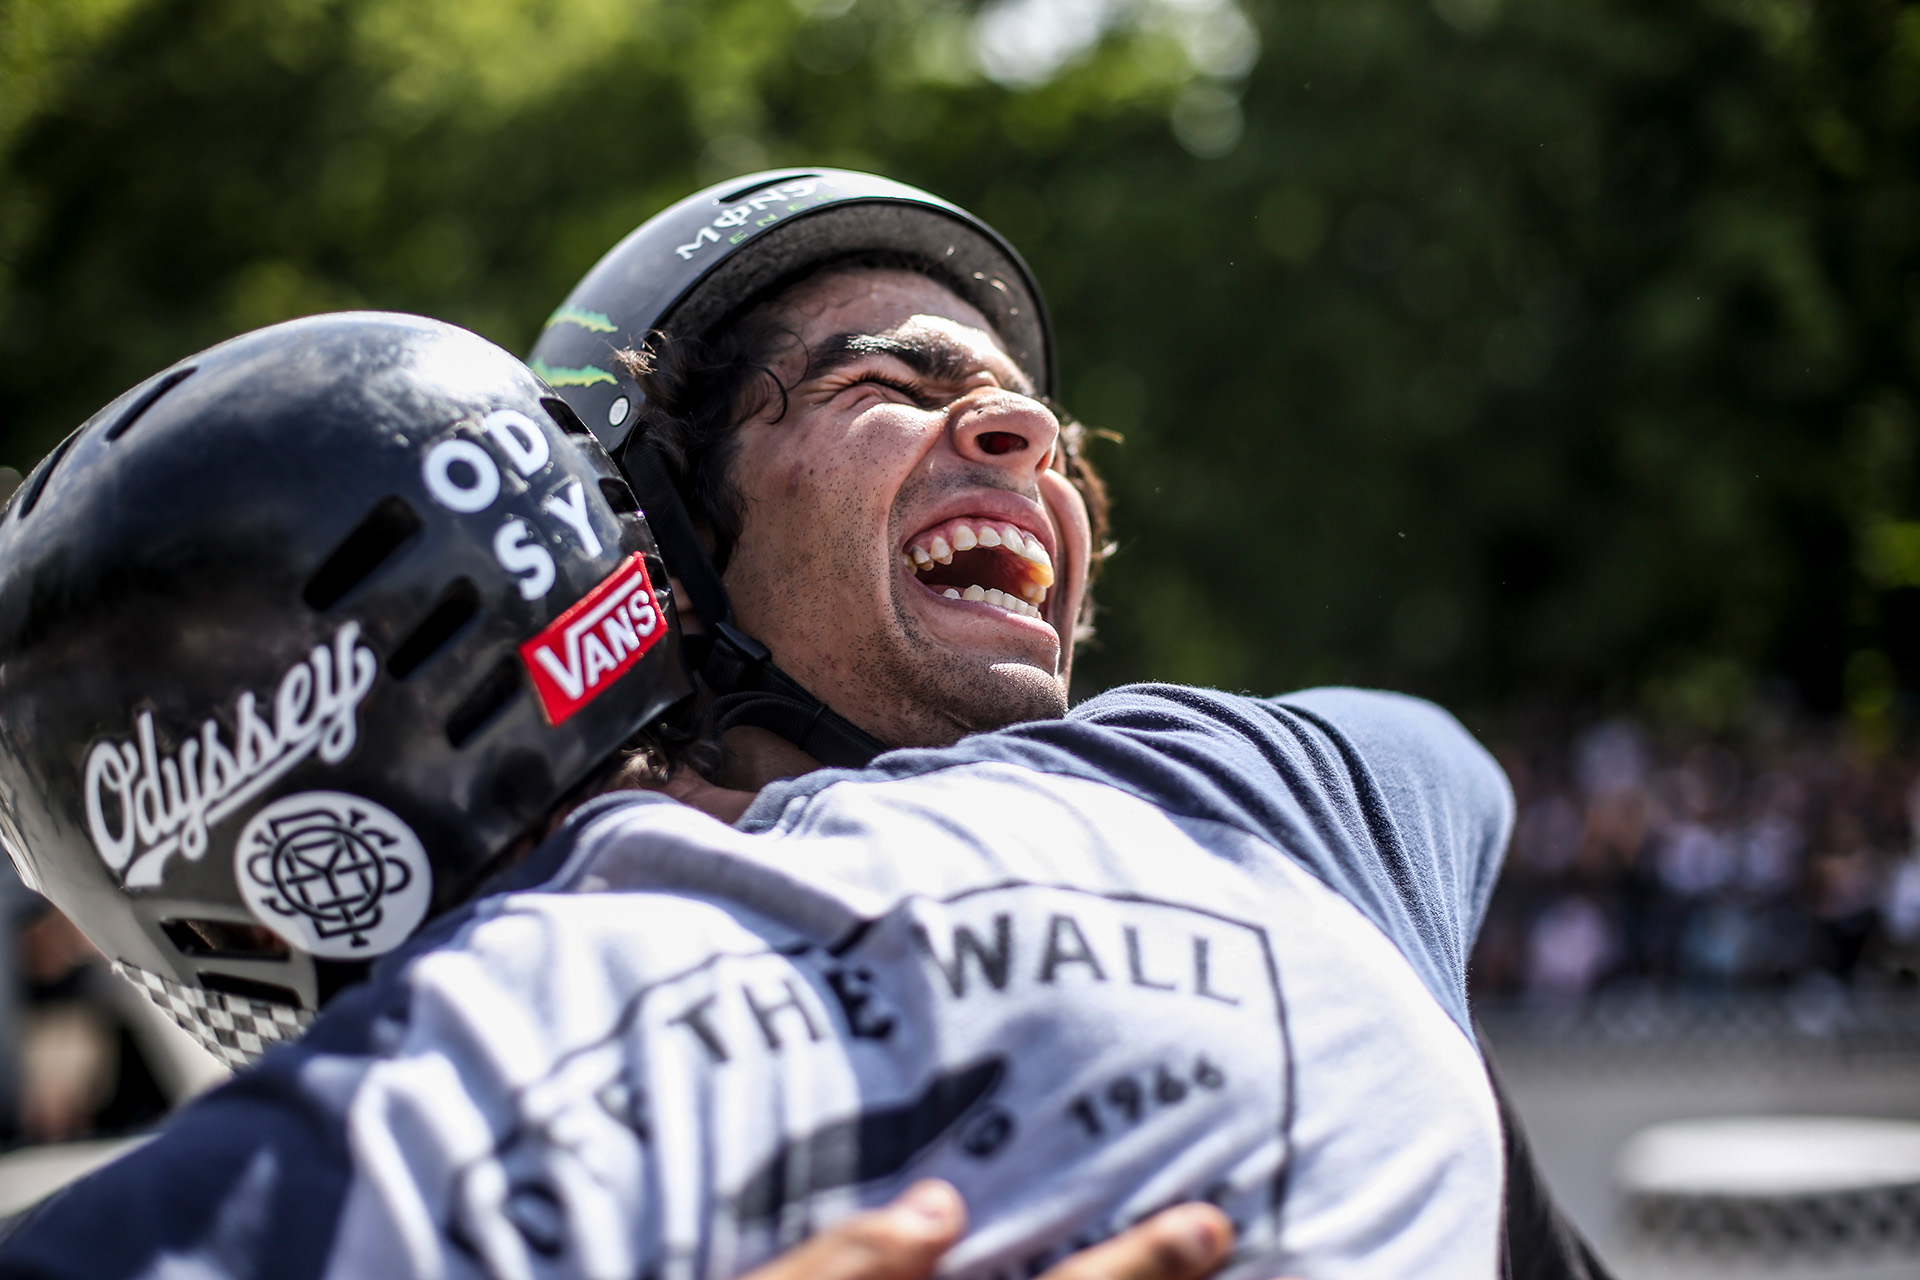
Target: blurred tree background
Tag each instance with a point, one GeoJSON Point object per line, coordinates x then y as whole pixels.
{"type": "Point", "coordinates": [1509, 351]}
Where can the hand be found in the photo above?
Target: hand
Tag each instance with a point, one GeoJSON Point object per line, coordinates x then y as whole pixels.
{"type": "Point", "coordinates": [1186, 1242]}
{"type": "Point", "coordinates": [905, 1241]}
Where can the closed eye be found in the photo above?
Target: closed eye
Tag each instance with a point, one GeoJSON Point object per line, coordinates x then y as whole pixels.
{"type": "Point", "coordinates": [917, 394]}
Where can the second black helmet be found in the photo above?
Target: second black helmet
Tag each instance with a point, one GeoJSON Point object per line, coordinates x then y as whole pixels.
{"type": "Point", "coordinates": [297, 639]}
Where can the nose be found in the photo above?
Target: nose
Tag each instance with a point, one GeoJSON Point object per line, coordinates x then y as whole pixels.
{"type": "Point", "coordinates": [1004, 429]}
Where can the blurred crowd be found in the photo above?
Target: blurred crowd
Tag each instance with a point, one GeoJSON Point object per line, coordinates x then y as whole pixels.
{"type": "Point", "coordinates": [80, 1055]}
{"type": "Point", "coordinates": [1700, 867]}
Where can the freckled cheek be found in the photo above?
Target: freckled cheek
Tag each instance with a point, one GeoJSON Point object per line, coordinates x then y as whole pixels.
{"type": "Point", "coordinates": [815, 519]}
{"type": "Point", "coordinates": [780, 491]}
{"type": "Point", "coordinates": [870, 472]}
{"type": "Point", "coordinates": [799, 477]}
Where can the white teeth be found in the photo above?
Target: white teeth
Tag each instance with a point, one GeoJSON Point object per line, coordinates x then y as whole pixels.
{"type": "Point", "coordinates": [999, 599]}
{"type": "Point", "coordinates": [1036, 555]}
{"type": "Point", "coordinates": [994, 596]}
{"type": "Point", "coordinates": [941, 547]}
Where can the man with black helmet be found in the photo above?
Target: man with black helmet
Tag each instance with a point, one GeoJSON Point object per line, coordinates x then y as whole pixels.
{"type": "Point", "coordinates": [791, 363]}
{"type": "Point", "coordinates": [301, 641]}
{"type": "Point", "coordinates": [1179, 943]}
{"type": "Point", "coordinates": [275, 622]}
{"type": "Point", "coordinates": [752, 315]}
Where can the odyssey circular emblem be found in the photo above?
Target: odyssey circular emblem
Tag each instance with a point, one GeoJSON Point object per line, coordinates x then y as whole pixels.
{"type": "Point", "coordinates": [336, 875]}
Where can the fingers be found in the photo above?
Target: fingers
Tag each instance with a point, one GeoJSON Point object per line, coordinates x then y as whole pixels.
{"type": "Point", "coordinates": [901, 1241]}
{"type": "Point", "coordinates": [905, 1240]}
{"type": "Point", "coordinates": [1185, 1242]}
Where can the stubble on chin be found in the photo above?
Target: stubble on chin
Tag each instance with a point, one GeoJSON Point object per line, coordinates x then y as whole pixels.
{"type": "Point", "coordinates": [937, 697]}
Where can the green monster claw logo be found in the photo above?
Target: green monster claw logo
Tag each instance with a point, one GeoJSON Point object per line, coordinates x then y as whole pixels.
{"type": "Point", "coordinates": [584, 376]}
{"type": "Point", "coordinates": [591, 321]}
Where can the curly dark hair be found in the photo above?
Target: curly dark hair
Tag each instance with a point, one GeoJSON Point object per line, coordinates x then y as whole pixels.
{"type": "Point", "coordinates": [697, 391]}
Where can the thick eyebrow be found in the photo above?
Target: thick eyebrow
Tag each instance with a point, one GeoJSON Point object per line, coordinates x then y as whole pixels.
{"type": "Point", "coordinates": [933, 356]}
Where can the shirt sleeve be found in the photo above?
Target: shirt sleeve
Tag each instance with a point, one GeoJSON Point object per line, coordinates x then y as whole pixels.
{"type": "Point", "coordinates": [1423, 784]}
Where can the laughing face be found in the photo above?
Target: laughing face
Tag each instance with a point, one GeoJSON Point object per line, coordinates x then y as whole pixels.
{"type": "Point", "coordinates": [910, 549]}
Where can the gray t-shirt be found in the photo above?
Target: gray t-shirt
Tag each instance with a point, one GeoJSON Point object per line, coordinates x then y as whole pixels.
{"type": "Point", "coordinates": [1177, 945]}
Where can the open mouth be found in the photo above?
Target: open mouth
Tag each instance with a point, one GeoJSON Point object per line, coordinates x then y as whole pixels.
{"type": "Point", "coordinates": [991, 561]}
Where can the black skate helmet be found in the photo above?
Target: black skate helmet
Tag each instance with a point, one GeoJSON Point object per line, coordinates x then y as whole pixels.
{"type": "Point", "coordinates": [692, 268]}
{"type": "Point", "coordinates": [297, 639]}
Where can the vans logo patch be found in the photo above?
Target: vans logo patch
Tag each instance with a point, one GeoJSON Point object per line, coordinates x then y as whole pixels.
{"type": "Point", "coordinates": [596, 641]}
{"type": "Point", "coordinates": [143, 804]}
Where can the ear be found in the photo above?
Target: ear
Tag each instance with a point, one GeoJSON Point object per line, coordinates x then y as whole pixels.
{"type": "Point", "coordinates": [683, 609]}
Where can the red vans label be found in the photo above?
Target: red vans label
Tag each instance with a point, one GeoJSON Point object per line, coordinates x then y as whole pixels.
{"type": "Point", "coordinates": [595, 641]}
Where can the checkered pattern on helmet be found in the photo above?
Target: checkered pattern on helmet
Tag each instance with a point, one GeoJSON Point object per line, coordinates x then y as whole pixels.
{"type": "Point", "coordinates": [234, 1029]}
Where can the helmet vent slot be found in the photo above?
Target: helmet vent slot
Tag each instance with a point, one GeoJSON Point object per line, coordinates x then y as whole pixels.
{"type": "Point", "coordinates": [619, 496]}
{"type": "Point", "coordinates": [247, 989]}
{"type": "Point", "coordinates": [147, 400]}
{"type": "Point", "coordinates": [488, 699]}
{"type": "Point", "coordinates": [229, 938]}
{"type": "Point", "coordinates": [562, 412]}
{"type": "Point", "coordinates": [449, 617]}
{"type": "Point", "coordinates": [373, 540]}
{"type": "Point", "coordinates": [29, 493]}
{"type": "Point", "coordinates": [766, 181]}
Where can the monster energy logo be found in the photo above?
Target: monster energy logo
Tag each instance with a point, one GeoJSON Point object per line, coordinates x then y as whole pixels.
{"type": "Point", "coordinates": [585, 376]}
{"type": "Point", "coordinates": [591, 321]}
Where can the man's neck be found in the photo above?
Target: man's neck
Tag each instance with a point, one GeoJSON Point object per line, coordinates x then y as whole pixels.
{"type": "Point", "coordinates": [756, 757]}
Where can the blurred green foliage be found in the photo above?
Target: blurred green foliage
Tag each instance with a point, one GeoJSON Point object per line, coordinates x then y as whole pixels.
{"type": "Point", "coordinates": [1505, 350]}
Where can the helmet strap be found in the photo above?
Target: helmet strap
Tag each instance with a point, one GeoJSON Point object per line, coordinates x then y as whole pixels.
{"type": "Point", "coordinates": [673, 531]}
{"type": "Point", "coordinates": [750, 691]}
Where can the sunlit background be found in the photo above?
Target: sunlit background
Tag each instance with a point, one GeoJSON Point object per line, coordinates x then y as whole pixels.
{"type": "Point", "coordinates": [1552, 358]}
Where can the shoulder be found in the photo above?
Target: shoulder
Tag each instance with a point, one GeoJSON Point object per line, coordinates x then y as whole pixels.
{"type": "Point", "coordinates": [1385, 721]}
{"type": "Point", "coordinates": [1371, 724]}
{"type": "Point", "coordinates": [1386, 798]}
{"type": "Point", "coordinates": [1209, 754]}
